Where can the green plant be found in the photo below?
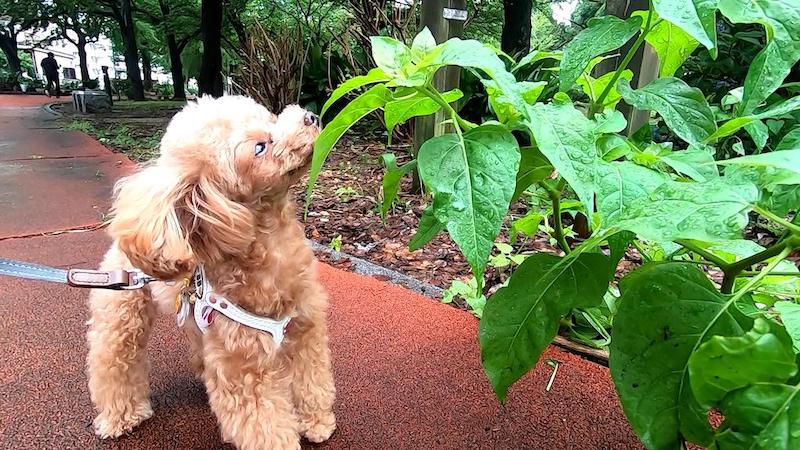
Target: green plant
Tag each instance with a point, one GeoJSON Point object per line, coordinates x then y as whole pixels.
{"type": "Point", "coordinates": [467, 291]}
{"type": "Point", "coordinates": [346, 193]}
{"type": "Point", "coordinates": [336, 243]}
{"type": "Point", "coordinates": [680, 347]}
{"type": "Point", "coordinates": [81, 125]}
{"type": "Point", "coordinates": [164, 91]}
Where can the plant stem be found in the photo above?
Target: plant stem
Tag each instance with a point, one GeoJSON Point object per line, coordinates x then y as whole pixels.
{"type": "Point", "coordinates": [747, 273]}
{"type": "Point", "coordinates": [689, 245]}
{"type": "Point", "coordinates": [555, 196]}
{"type": "Point", "coordinates": [763, 273]}
{"type": "Point", "coordinates": [794, 229]}
{"type": "Point", "coordinates": [597, 105]}
{"type": "Point", "coordinates": [732, 270]}
{"type": "Point", "coordinates": [437, 97]}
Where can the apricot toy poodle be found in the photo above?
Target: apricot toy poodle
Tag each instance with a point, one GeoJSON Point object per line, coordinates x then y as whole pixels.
{"type": "Point", "coordinates": [215, 207]}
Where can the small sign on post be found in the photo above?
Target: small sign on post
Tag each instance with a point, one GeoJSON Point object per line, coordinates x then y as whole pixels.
{"type": "Point", "coordinates": [455, 14]}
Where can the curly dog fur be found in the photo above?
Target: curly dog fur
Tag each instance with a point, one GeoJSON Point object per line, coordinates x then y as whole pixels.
{"type": "Point", "coordinates": [210, 199]}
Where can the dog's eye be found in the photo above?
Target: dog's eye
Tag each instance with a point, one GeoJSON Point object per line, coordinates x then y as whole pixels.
{"type": "Point", "coordinates": [261, 148]}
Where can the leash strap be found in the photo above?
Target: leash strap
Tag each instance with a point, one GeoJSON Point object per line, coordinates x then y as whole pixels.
{"type": "Point", "coordinates": [123, 279]}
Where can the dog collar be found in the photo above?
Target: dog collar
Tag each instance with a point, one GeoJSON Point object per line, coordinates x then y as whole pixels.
{"type": "Point", "coordinates": [198, 295]}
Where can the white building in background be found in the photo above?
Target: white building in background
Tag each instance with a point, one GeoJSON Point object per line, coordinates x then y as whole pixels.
{"type": "Point", "coordinates": [98, 54]}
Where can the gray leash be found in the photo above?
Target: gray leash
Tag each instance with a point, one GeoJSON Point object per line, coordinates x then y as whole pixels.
{"type": "Point", "coordinates": [123, 279]}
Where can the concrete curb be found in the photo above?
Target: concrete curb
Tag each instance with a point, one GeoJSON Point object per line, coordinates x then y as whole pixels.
{"type": "Point", "coordinates": [364, 267]}
{"type": "Point", "coordinates": [49, 108]}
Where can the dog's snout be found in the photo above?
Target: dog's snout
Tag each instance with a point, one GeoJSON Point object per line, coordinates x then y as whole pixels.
{"type": "Point", "coordinates": [311, 119]}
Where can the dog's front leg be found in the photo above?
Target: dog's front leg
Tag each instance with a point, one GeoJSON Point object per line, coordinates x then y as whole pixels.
{"type": "Point", "coordinates": [247, 389]}
{"type": "Point", "coordinates": [117, 363]}
{"type": "Point", "coordinates": [312, 382]}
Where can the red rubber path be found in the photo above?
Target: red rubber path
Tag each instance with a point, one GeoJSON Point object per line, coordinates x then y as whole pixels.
{"type": "Point", "coordinates": [407, 368]}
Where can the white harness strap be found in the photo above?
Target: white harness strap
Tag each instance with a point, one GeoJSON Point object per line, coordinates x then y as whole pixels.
{"type": "Point", "coordinates": [206, 302]}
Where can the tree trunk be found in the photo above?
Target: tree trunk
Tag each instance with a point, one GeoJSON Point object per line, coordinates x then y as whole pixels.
{"type": "Point", "coordinates": [9, 46]}
{"type": "Point", "coordinates": [147, 70]}
{"type": "Point", "coordinates": [516, 37]}
{"type": "Point", "coordinates": [176, 67]}
{"type": "Point", "coordinates": [82, 58]}
{"type": "Point", "coordinates": [128, 33]}
{"type": "Point", "coordinates": [175, 63]}
{"type": "Point", "coordinates": [210, 79]}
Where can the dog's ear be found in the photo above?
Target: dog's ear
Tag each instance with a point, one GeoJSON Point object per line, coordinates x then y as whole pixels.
{"type": "Point", "coordinates": [147, 225]}
{"type": "Point", "coordinates": [220, 227]}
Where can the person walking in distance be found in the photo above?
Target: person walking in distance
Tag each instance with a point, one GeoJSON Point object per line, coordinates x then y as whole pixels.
{"type": "Point", "coordinates": [50, 67]}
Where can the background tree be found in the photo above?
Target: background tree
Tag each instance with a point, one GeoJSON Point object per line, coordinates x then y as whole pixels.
{"type": "Point", "coordinates": [78, 27]}
{"type": "Point", "coordinates": [122, 13]}
{"type": "Point", "coordinates": [176, 23]}
{"type": "Point", "coordinates": [516, 37]}
{"type": "Point", "coordinates": [210, 78]}
{"type": "Point", "coordinates": [17, 16]}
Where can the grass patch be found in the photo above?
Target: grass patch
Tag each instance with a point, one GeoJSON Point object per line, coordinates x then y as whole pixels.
{"type": "Point", "coordinates": [149, 104]}
{"type": "Point", "coordinates": [81, 125]}
{"type": "Point", "coordinates": [139, 144]}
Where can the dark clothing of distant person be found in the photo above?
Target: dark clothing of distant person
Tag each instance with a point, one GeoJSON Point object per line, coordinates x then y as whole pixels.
{"type": "Point", "coordinates": [50, 67]}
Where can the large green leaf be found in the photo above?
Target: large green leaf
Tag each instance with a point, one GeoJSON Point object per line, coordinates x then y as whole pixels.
{"type": "Point", "coordinates": [399, 110]}
{"type": "Point", "coordinates": [593, 87]}
{"type": "Point", "coordinates": [390, 55]}
{"type": "Point", "coordinates": [621, 184]}
{"type": "Point", "coordinates": [726, 363]}
{"type": "Point", "coordinates": [666, 312]}
{"type": "Point", "coordinates": [534, 56]}
{"type": "Point", "coordinates": [709, 211]}
{"type": "Point", "coordinates": [694, 162]}
{"type": "Point", "coordinates": [476, 55]}
{"type": "Point", "coordinates": [781, 19]}
{"type": "Point", "coordinates": [533, 167]}
{"type": "Point", "coordinates": [428, 228]}
{"type": "Point", "coordinates": [780, 188]}
{"type": "Point", "coordinates": [786, 159]}
{"type": "Point", "coordinates": [698, 18]}
{"type": "Point", "coordinates": [507, 108]}
{"type": "Point", "coordinates": [423, 43]}
{"type": "Point", "coordinates": [683, 107]}
{"type": "Point", "coordinates": [521, 319]}
{"type": "Point", "coordinates": [764, 416]}
{"type": "Point", "coordinates": [777, 110]}
{"type": "Point", "coordinates": [790, 316]}
{"type": "Point", "coordinates": [476, 175]}
{"type": "Point", "coordinates": [791, 141]}
{"type": "Point", "coordinates": [566, 137]}
{"type": "Point", "coordinates": [391, 179]}
{"type": "Point", "coordinates": [375, 75]}
{"type": "Point", "coordinates": [376, 97]}
{"type": "Point", "coordinates": [672, 45]}
{"type": "Point", "coordinates": [602, 35]}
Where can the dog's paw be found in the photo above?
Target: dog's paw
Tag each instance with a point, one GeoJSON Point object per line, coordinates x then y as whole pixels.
{"type": "Point", "coordinates": [109, 426]}
{"type": "Point", "coordinates": [319, 429]}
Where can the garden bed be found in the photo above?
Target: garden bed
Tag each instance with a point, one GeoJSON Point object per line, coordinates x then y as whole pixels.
{"type": "Point", "coordinates": [344, 211]}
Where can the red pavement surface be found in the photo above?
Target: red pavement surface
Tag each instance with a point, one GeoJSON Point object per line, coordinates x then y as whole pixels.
{"type": "Point", "coordinates": [407, 369]}
{"type": "Point", "coordinates": [50, 178]}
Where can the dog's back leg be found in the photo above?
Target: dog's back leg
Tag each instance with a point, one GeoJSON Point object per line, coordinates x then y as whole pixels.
{"type": "Point", "coordinates": [117, 364]}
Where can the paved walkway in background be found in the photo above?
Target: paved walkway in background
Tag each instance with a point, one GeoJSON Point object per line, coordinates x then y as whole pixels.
{"type": "Point", "coordinates": [407, 368]}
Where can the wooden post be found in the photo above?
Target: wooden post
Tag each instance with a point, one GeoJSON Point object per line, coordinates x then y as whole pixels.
{"type": "Point", "coordinates": [644, 64]}
{"type": "Point", "coordinates": [442, 29]}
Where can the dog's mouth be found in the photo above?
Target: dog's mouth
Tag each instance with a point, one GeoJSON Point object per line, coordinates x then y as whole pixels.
{"type": "Point", "coordinates": [301, 169]}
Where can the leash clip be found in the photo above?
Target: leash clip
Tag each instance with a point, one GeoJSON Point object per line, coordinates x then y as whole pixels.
{"type": "Point", "coordinates": [137, 280]}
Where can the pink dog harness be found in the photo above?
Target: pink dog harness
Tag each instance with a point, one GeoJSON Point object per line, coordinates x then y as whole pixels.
{"type": "Point", "coordinates": [201, 298]}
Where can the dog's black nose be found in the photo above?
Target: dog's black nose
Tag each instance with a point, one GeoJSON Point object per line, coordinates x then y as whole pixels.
{"type": "Point", "coordinates": [311, 119]}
